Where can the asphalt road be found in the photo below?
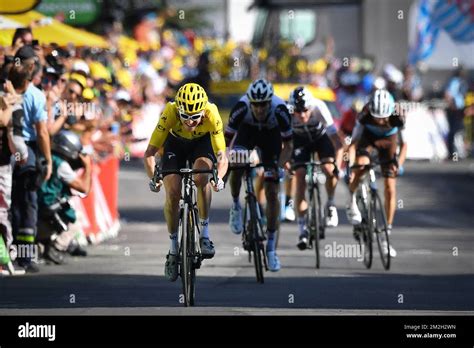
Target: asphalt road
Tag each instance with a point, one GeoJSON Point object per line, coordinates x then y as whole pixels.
{"type": "Point", "coordinates": [432, 274]}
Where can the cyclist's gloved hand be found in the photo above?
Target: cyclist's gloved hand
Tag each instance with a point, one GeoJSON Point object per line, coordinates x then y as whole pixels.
{"type": "Point", "coordinates": [155, 186]}
{"type": "Point", "coordinates": [401, 170]}
{"type": "Point", "coordinates": [219, 186]}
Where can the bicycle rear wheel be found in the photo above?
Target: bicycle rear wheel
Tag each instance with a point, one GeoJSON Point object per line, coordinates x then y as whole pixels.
{"type": "Point", "coordinates": [379, 226]}
{"type": "Point", "coordinates": [256, 239]}
{"type": "Point", "coordinates": [188, 272]}
{"type": "Point", "coordinates": [313, 221]}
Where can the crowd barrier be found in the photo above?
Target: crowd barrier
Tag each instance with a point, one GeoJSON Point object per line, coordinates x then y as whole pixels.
{"type": "Point", "coordinates": [97, 213]}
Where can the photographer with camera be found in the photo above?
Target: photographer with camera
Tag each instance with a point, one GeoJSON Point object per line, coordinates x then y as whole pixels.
{"type": "Point", "coordinates": [55, 213]}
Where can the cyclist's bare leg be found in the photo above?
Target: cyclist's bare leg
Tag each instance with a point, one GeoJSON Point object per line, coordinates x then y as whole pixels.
{"type": "Point", "coordinates": [331, 181]}
{"type": "Point", "coordinates": [390, 192]}
{"type": "Point", "coordinates": [358, 172]}
{"type": "Point", "coordinates": [204, 194]}
{"type": "Point", "coordinates": [259, 188]}
{"type": "Point", "coordinates": [300, 202]}
{"type": "Point", "coordinates": [235, 181]}
{"type": "Point", "coordinates": [273, 204]}
{"type": "Point", "coordinates": [172, 183]}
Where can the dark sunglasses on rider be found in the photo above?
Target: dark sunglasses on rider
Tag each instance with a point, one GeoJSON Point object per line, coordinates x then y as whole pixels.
{"type": "Point", "coordinates": [299, 109]}
{"type": "Point", "coordinates": [260, 104]}
{"type": "Point", "coordinates": [195, 117]}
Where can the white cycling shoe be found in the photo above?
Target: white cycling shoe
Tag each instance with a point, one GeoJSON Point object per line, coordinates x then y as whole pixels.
{"type": "Point", "coordinates": [273, 261]}
{"type": "Point", "coordinates": [353, 213]}
{"type": "Point", "coordinates": [393, 252]}
{"type": "Point", "coordinates": [235, 219]}
{"type": "Point", "coordinates": [332, 220]}
{"type": "Point", "coordinates": [290, 211]}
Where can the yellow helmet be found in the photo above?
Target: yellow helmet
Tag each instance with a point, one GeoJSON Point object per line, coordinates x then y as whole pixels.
{"type": "Point", "coordinates": [191, 98]}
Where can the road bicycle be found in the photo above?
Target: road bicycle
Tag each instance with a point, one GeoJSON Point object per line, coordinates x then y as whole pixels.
{"type": "Point", "coordinates": [374, 221]}
{"type": "Point", "coordinates": [315, 178]}
{"type": "Point", "coordinates": [189, 255]}
{"type": "Point", "coordinates": [253, 235]}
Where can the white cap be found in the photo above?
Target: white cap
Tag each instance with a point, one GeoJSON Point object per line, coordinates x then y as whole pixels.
{"type": "Point", "coordinates": [122, 95]}
{"type": "Point", "coordinates": [391, 73]}
{"type": "Point", "coordinates": [80, 65]}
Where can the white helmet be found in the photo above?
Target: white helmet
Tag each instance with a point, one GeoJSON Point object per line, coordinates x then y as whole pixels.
{"type": "Point", "coordinates": [260, 91]}
{"type": "Point", "coordinates": [381, 104]}
{"type": "Point", "coordinates": [301, 98]}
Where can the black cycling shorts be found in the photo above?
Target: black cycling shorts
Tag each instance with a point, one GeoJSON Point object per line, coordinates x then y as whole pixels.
{"type": "Point", "coordinates": [178, 150]}
{"type": "Point", "coordinates": [303, 148]}
{"type": "Point", "coordinates": [267, 140]}
{"type": "Point", "coordinates": [386, 147]}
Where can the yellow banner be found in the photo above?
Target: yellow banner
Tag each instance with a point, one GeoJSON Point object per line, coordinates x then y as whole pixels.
{"type": "Point", "coordinates": [282, 90]}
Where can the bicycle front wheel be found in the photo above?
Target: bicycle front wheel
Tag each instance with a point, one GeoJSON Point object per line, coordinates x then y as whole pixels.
{"type": "Point", "coordinates": [256, 240]}
{"type": "Point", "coordinates": [188, 272]}
{"type": "Point", "coordinates": [379, 225]}
{"type": "Point", "coordinates": [364, 229]}
{"type": "Point", "coordinates": [313, 221]}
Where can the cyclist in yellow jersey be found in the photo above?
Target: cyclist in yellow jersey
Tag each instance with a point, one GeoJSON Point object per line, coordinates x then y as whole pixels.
{"type": "Point", "coordinates": [190, 128]}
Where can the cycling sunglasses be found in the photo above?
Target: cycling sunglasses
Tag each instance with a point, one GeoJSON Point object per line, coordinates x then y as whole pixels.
{"type": "Point", "coordinates": [195, 117]}
{"type": "Point", "coordinates": [260, 104]}
{"type": "Point", "coordinates": [299, 109]}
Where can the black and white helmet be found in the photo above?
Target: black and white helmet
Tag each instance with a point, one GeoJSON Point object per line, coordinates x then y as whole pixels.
{"type": "Point", "coordinates": [260, 91]}
{"type": "Point", "coordinates": [67, 145]}
{"type": "Point", "coordinates": [301, 99]}
{"type": "Point", "coordinates": [381, 104]}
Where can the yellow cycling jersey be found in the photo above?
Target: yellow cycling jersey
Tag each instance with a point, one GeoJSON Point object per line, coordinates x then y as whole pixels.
{"type": "Point", "coordinates": [211, 123]}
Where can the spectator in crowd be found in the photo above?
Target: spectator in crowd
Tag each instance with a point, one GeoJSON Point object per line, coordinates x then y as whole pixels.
{"type": "Point", "coordinates": [28, 176]}
{"type": "Point", "coordinates": [454, 95]}
{"type": "Point", "coordinates": [411, 87]}
{"type": "Point", "coordinates": [11, 142]}
{"type": "Point", "coordinates": [21, 37]}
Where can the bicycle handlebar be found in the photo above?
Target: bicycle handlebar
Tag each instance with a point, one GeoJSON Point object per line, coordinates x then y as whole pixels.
{"type": "Point", "coordinates": [374, 163]}
{"type": "Point", "coordinates": [189, 171]}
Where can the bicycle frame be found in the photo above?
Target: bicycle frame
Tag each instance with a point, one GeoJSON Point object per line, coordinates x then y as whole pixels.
{"type": "Point", "coordinates": [189, 197]}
